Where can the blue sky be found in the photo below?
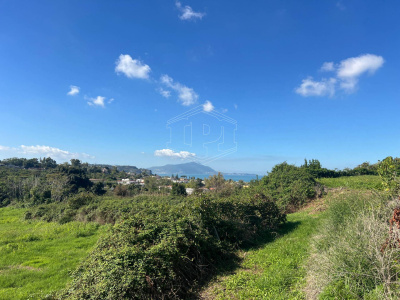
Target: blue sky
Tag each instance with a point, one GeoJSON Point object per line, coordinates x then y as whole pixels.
{"type": "Point", "coordinates": [99, 80]}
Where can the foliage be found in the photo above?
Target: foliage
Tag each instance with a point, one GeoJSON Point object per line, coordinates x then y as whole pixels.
{"type": "Point", "coordinates": [216, 182]}
{"type": "Point", "coordinates": [159, 249]}
{"type": "Point", "coordinates": [178, 189]}
{"type": "Point", "coordinates": [289, 186]}
{"type": "Point", "coordinates": [388, 175]}
{"type": "Point", "coordinates": [347, 261]}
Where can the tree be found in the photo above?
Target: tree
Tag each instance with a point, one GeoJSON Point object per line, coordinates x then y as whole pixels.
{"type": "Point", "coordinates": [150, 183]}
{"type": "Point", "coordinates": [215, 181]}
{"type": "Point", "coordinates": [75, 162]}
{"type": "Point", "coordinates": [48, 163]}
{"type": "Point", "coordinates": [178, 190]}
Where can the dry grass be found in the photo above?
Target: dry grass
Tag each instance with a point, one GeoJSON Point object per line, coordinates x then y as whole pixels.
{"type": "Point", "coordinates": [346, 259]}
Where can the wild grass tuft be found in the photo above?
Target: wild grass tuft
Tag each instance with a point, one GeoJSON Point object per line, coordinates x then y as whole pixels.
{"type": "Point", "coordinates": [346, 260]}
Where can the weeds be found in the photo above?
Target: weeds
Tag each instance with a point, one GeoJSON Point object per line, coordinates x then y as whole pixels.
{"type": "Point", "coordinates": [347, 261]}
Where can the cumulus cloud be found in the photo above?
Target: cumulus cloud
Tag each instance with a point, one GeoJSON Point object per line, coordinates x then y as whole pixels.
{"type": "Point", "coordinates": [207, 106]}
{"type": "Point", "coordinates": [98, 101]}
{"type": "Point", "coordinates": [187, 13]}
{"type": "Point", "coordinates": [74, 90]}
{"type": "Point", "coordinates": [347, 74]}
{"type": "Point", "coordinates": [351, 69]}
{"type": "Point", "coordinates": [187, 96]}
{"type": "Point", "coordinates": [46, 151]}
{"type": "Point", "coordinates": [164, 93]}
{"type": "Point", "coordinates": [132, 68]}
{"type": "Point", "coordinates": [309, 87]}
{"type": "Point", "coordinates": [328, 66]}
{"type": "Point", "coordinates": [171, 153]}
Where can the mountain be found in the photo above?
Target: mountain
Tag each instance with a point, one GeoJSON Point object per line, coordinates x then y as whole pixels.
{"type": "Point", "coordinates": [186, 168]}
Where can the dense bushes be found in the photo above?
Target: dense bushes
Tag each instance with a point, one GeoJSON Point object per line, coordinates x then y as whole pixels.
{"type": "Point", "coordinates": [346, 260]}
{"type": "Point", "coordinates": [289, 186]}
{"type": "Point", "coordinates": [162, 248]}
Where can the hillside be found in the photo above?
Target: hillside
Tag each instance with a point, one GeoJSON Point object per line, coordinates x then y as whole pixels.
{"type": "Point", "coordinates": [186, 168]}
{"type": "Point", "coordinates": [128, 169]}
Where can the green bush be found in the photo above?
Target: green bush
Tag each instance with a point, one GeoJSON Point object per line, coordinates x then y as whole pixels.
{"type": "Point", "coordinates": [163, 246]}
{"type": "Point", "coordinates": [150, 255]}
{"type": "Point", "coordinates": [178, 189]}
{"type": "Point", "coordinates": [289, 185]}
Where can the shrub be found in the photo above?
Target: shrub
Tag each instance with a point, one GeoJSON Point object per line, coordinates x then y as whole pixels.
{"type": "Point", "coordinates": [388, 174]}
{"type": "Point", "coordinates": [79, 200]}
{"type": "Point", "coordinates": [289, 185]}
{"type": "Point", "coordinates": [151, 255]}
{"type": "Point", "coordinates": [178, 189]}
{"type": "Point", "coordinates": [162, 246]}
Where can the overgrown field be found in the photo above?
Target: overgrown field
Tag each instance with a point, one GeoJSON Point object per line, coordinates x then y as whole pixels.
{"type": "Point", "coordinates": [334, 249]}
{"type": "Point", "coordinates": [36, 257]}
{"type": "Point", "coordinates": [162, 244]}
{"type": "Point", "coordinates": [363, 182]}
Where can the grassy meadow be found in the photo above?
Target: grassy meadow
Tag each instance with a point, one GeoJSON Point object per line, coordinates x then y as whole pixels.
{"type": "Point", "coordinates": [36, 257]}
{"type": "Point", "coordinates": [363, 182]}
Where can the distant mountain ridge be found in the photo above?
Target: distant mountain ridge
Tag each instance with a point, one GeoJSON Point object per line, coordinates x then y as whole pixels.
{"type": "Point", "coordinates": [185, 168]}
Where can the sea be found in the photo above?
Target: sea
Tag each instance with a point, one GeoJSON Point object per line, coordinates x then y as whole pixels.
{"type": "Point", "coordinates": [234, 177]}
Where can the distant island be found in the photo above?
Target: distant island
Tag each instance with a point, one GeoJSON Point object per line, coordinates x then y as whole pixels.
{"type": "Point", "coordinates": [185, 168]}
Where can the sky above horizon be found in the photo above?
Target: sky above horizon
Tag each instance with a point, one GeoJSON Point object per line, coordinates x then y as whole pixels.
{"type": "Point", "coordinates": [239, 86]}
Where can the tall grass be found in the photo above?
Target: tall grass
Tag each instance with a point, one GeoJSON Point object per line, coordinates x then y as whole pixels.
{"type": "Point", "coordinates": [364, 182]}
{"type": "Point", "coordinates": [346, 260]}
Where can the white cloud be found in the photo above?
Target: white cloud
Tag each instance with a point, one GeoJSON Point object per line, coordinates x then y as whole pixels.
{"type": "Point", "coordinates": [132, 68]}
{"type": "Point", "coordinates": [74, 90]}
{"type": "Point", "coordinates": [187, 13]}
{"type": "Point", "coordinates": [46, 151]}
{"type": "Point", "coordinates": [328, 66]}
{"type": "Point", "coordinates": [52, 152]}
{"type": "Point", "coordinates": [348, 72]}
{"type": "Point", "coordinates": [351, 69]}
{"type": "Point", "coordinates": [235, 106]}
{"type": "Point", "coordinates": [207, 106]}
{"type": "Point", "coordinates": [309, 87]}
{"type": "Point", "coordinates": [164, 93]}
{"type": "Point", "coordinates": [187, 96]}
{"type": "Point", "coordinates": [171, 153]}
{"type": "Point", "coordinates": [111, 100]}
{"type": "Point", "coordinates": [98, 101]}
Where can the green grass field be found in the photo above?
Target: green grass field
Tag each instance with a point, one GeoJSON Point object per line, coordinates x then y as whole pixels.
{"type": "Point", "coordinates": [274, 270]}
{"type": "Point", "coordinates": [364, 182]}
{"type": "Point", "coordinates": [36, 257]}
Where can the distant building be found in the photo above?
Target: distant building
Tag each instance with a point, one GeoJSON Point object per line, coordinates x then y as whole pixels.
{"type": "Point", "coordinates": [189, 191]}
